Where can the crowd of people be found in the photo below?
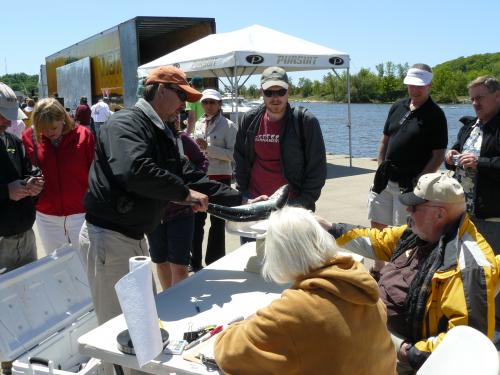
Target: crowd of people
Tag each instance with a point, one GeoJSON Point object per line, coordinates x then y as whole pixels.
{"type": "Point", "coordinates": [118, 185]}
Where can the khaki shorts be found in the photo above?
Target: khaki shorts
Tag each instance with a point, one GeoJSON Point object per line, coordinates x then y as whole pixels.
{"type": "Point", "coordinates": [385, 208]}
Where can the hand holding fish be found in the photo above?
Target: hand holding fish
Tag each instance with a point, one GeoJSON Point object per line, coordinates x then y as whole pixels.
{"type": "Point", "coordinates": [325, 224]}
{"type": "Point", "coordinates": [257, 199]}
{"type": "Point", "coordinates": [198, 201]}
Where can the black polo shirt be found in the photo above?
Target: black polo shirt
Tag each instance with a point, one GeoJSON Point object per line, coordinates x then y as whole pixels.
{"type": "Point", "coordinates": [413, 135]}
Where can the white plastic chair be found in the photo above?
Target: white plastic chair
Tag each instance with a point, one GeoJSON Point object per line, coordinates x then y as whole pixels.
{"type": "Point", "coordinates": [464, 350]}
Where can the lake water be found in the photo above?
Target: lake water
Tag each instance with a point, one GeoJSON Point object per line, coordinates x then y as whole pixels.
{"type": "Point", "coordinates": [367, 125]}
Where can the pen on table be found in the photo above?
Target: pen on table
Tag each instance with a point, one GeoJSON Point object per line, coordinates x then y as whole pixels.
{"type": "Point", "coordinates": [234, 320]}
{"type": "Point", "coordinates": [205, 337]}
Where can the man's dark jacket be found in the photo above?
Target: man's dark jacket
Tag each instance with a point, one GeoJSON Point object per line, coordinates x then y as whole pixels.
{"type": "Point", "coordinates": [15, 216]}
{"type": "Point", "coordinates": [303, 156]}
{"type": "Point", "coordinates": [136, 171]}
{"type": "Point", "coordinates": [487, 202]}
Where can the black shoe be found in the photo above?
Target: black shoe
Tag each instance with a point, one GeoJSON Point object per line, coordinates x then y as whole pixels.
{"type": "Point", "coordinates": [192, 268]}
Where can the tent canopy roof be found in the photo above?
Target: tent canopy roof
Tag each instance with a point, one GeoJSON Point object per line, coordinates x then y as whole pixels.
{"type": "Point", "coordinates": [250, 50]}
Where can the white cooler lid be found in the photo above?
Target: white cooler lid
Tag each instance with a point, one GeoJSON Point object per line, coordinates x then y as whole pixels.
{"type": "Point", "coordinates": [40, 299]}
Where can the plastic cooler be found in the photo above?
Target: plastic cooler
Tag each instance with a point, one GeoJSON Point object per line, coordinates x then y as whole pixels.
{"type": "Point", "coordinates": [45, 306]}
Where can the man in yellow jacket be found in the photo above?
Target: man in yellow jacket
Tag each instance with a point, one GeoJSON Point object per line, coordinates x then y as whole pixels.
{"type": "Point", "coordinates": [441, 272]}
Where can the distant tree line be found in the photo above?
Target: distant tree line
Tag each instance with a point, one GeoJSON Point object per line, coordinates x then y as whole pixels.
{"type": "Point", "coordinates": [27, 84]}
{"type": "Point", "coordinates": [383, 85]}
{"type": "Point", "coordinates": [386, 83]}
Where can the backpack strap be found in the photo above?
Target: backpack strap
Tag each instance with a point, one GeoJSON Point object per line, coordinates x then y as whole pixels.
{"type": "Point", "coordinates": [298, 123]}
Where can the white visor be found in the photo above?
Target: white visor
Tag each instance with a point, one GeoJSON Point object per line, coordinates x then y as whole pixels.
{"type": "Point", "coordinates": [418, 77]}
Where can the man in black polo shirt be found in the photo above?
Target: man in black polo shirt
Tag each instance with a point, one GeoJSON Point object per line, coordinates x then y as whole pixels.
{"type": "Point", "coordinates": [413, 143]}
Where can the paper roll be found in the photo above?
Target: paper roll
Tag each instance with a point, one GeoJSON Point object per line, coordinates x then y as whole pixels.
{"type": "Point", "coordinates": [135, 262]}
{"type": "Point", "coordinates": [135, 294]}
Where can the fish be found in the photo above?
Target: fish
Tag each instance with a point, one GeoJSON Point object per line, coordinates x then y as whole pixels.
{"type": "Point", "coordinates": [252, 211]}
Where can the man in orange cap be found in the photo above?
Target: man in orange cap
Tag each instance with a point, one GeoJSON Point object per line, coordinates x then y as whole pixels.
{"type": "Point", "coordinates": [137, 170]}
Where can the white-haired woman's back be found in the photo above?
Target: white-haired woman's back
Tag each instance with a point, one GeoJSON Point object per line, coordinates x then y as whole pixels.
{"type": "Point", "coordinates": [331, 321]}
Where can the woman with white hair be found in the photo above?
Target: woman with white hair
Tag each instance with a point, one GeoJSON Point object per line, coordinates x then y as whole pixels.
{"type": "Point", "coordinates": [331, 320]}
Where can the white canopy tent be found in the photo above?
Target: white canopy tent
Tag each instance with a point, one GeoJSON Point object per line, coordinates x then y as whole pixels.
{"type": "Point", "coordinates": [248, 51]}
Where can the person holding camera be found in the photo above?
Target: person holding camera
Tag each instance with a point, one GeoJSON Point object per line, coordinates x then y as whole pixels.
{"type": "Point", "coordinates": [475, 157]}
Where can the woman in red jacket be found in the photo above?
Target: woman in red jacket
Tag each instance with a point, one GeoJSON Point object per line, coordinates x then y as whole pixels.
{"type": "Point", "coordinates": [64, 152]}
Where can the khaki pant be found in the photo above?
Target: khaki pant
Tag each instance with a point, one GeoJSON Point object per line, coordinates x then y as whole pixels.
{"type": "Point", "coordinates": [17, 250]}
{"type": "Point", "coordinates": [105, 254]}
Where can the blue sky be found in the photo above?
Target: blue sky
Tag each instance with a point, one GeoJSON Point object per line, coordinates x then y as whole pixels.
{"type": "Point", "coordinates": [370, 31]}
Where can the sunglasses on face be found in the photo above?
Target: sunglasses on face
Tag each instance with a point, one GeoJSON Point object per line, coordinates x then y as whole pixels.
{"type": "Point", "coordinates": [271, 93]}
{"type": "Point", "coordinates": [181, 94]}
{"type": "Point", "coordinates": [209, 101]}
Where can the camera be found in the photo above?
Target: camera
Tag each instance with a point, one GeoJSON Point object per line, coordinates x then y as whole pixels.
{"type": "Point", "coordinates": [456, 160]}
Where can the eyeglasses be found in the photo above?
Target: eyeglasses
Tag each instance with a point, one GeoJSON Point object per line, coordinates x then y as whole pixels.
{"type": "Point", "coordinates": [209, 101]}
{"type": "Point", "coordinates": [181, 94]}
{"type": "Point", "coordinates": [479, 98]}
{"type": "Point", "coordinates": [413, 208]}
{"type": "Point", "coordinates": [271, 93]}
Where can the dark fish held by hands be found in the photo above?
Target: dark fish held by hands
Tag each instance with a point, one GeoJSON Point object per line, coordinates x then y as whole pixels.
{"type": "Point", "coordinates": [253, 211]}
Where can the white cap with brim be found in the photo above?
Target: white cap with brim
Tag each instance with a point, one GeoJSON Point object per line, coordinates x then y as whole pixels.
{"type": "Point", "coordinates": [418, 77]}
{"type": "Point", "coordinates": [8, 104]}
{"type": "Point", "coordinates": [434, 187]}
{"type": "Point", "coordinates": [211, 94]}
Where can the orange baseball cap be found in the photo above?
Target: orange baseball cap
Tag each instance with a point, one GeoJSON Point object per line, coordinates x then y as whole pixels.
{"type": "Point", "coordinates": [171, 74]}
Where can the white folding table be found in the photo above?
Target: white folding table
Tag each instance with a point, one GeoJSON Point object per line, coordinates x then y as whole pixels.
{"type": "Point", "coordinates": [222, 291]}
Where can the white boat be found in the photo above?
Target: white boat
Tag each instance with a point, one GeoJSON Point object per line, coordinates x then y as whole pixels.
{"type": "Point", "coordinates": [234, 108]}
{"type": "Point", "coordinates": [256, 103]}
{"type": "Point", "coordinates": [230, 104]}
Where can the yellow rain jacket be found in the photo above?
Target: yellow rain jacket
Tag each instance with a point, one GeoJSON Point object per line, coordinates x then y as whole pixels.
{"type": "Point", "coordinates": [462, 291]}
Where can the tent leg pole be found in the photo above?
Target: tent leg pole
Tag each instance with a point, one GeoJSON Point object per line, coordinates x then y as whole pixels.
{"type": "Point", "coordinates": [237, 92]}
{"type": "Point", "coordinates": [349, 123]}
